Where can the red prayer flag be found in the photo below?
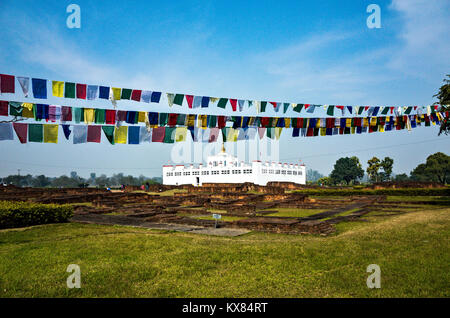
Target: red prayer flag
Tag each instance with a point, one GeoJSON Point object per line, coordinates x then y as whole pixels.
{"type": "Point", "coordinates": [21, 130]}
{"type": "Point", "coordinates": [274, 104]}
{"type": "Point", "coordinates": [136, 95]}
{"type": "Point", "coordinates": [310, 132]}
{"type": "Point", "coordinates": [121, 115]}
{"type": "Point", "coordinates": [3, 108]}
{"type": "Point", "coordinates": [7, 83]}
{"type": "Point", "coordinates": [173, 119]}
{"type": "Point", "coordinates": [94, 133]}
{"type": "Point", "coordinates": [158, 134]}
{"type": "Point", "coordinates": [110, 117]}
{"type": "Point", "coordinates": [189, 99]}
{"type": "Point", "coordinates": [233, 103]}
{"type": "Point", "coordinates": [66, 113]}
{"type": "Point", "coordinates": [81, 91]}
{"type": "Point", "coordinates": [265, 121]}
{"type": "Point", "coordinates": [221, 121]}
{"type": "Point", "coordinates": [330, 123]}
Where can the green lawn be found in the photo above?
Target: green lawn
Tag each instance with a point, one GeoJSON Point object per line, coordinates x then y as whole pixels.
{"type": "Point", "coordinates": [412, 250]}
{"type": "Point", "coordinates": [296, 213]}
{"type": "Point", "coordinates": [417, 198]}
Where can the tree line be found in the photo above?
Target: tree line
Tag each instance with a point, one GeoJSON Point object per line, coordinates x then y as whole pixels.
{"type": "Point", "coordinates": [76, 181]}
{"type": "Point", "coordinates": [349, 171]}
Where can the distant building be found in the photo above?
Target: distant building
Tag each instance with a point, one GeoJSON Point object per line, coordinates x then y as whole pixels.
{"type": "Point", "coordinates": [224, 168]}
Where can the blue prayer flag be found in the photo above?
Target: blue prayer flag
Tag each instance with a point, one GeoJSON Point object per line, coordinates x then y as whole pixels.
{"type": "Point", "coordinates": [156, 96]}
{"type": "Point", "coordinates": [133, 135]}
{"type": "Point", "coordinates": [104, 92]}
{"type": "Point", "coordinates": [39, 88]}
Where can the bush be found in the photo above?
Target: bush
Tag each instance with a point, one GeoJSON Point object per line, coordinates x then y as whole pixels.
{"type": "Point", "coordinates": [19, 214]}
{"type": "Point", "coordinates": [402, 192]}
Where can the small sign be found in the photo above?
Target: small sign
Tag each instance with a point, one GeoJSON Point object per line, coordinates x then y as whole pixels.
{"type": "Point", "coordinates": [217, 216]}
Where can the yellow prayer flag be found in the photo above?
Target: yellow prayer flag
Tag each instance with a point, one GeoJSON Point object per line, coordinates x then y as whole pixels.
{"type": "Point", "coordinates": [287, 122]}
{"type": "Point", "coordinates": [373, 121]}
{"type": "Point", "coordinates": [121, 134]}
{"type": "Point", "coordinates": [51, 133]}
{"type": "Point", "coordinates": [202, 121]}
{"type": "Point", "coordinates": [323, 131]}
{"type": "Point", "coordinates": [278, 132]}
{"type": "Point", "coordinates": [89, 115]}
{"type": "Point", "coordinates": [365, 122]}
{"type": "Point", "coordinates": [191, 121]}
{"type": "Point", "coordinates": [180, 134]}
{"type": "Point", "coordinates": [353, 130]}
{"type": "Point", "coordinates": [232, 134]}
{"type": "Point", "coordinates": [58, 88]}
{"type": "Point", "coordinates": [318, 123]}
{"type": "Point", "coordinates": [116, 92]}
{"type": "Point", "coordinates": [141, 117]}
{"type": "Point", "coordinates": [27, 111]}
{"type": "Point", "coordinates": [348, 122]}
{"type": "Point", "coordinates": [381, 128]}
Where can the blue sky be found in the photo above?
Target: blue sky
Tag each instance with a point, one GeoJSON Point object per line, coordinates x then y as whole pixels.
{"type": "Point", "coordinates": [292, 51]}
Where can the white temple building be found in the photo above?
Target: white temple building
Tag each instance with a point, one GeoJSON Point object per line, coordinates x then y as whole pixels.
{"type": "Point", "coordinates": [225, 168]}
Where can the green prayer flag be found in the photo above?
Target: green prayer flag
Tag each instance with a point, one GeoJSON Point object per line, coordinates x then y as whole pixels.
{"type": "Point", "coordinates": [169, 137]}
{"type": "Point", "coordinates": [286, 107]}
{"type": "Point", "coordinates": [270, 132]}
{"type": "Point", "coordinates": [330, 110]}
{"type": "Point", "coordinates": [163, 117]}
{"type": "Point", "coordinates": [126, 93]}
{"type": "Point", "coordinates": [384, 111]}
{"type": "Point", "coordinates": [294, 122]}
{"type": "Point", "coordinates": [212, 121]}
{"type": "Point", "coordinates": [178, 99]}
{"type": "Point", "coordinates": [35, 133]}
{"type": "Point", "coordinates": [225, 133]}
{"type": "Point", "coordinates": [78, 114]}
{"type": "Point", "coordinates": [222, 103]}
{"type": "Point", "coordinates": [15, 109]}
{"type": "Point", "coordinates": [298, 108]}
{"type": "Point", "coordinates": [100, 116]}
{"type": "Point", "coordinates": [69, 90]}
{"type": "Point", "coordinates": [181, 119]}
{"type": "Point", "coordinates": [109, 133]}
{"type": "Point", "coordinates": [408, 110]}
{"type": "Point", "coordinates": [263, 107]}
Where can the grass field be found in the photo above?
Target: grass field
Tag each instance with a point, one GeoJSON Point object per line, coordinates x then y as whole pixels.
{"type": "Point", "coordinates": [289, 212]}
{"type": "Point", "coordinates": [412, 250]}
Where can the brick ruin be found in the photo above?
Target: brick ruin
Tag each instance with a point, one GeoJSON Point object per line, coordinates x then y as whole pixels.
{"type": "Point", "coordinates": [250, 203]}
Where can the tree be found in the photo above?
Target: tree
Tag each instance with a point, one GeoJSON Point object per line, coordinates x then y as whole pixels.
{"type": "Point", "coordinates": [374, 165]}
{"type": "Point", "coordinates": [313, 175]}
{"type": "Point", "coordinates": [347, 169]}
{"type": "Point", "coordinates": [40, 181]}
{"type": "Point", "coordinates": [401, 177]}
{"type": "Point", "coordinates": [325, 181]}
{"type": "Point", "coordinates": [444, 99]}
{"type": "Point", "coordinates": [386, 165]}
{"type": "Point", "coordinates": [436, 168]}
